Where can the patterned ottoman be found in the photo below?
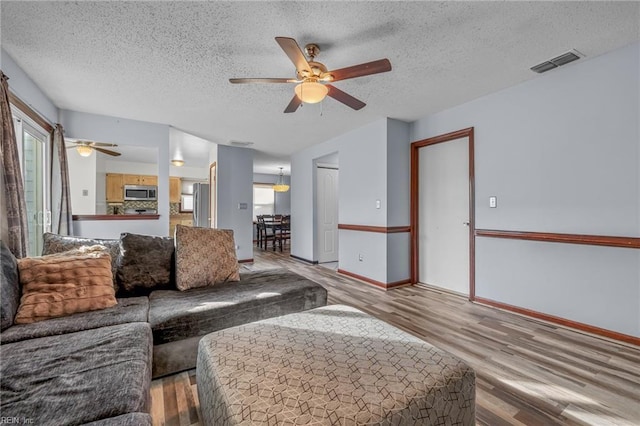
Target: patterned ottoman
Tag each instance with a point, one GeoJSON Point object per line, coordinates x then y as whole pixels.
{"type": "Point", "coordinates": [330, 365]}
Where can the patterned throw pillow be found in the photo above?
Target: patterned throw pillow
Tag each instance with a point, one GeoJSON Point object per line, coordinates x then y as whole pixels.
{"type": "Point", "coordinates": [54, 243]}
{"type": "Point", "coordinates": [62, 284]}
{"type": "Point", "coordinates": [146, 263]}
{"type": "Point", "coordinates": [204, 257]}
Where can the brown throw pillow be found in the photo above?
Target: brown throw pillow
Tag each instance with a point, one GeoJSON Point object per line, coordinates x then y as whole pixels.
{"type": "Point", "coordinates": [204, 257]}
{"type": "Point", "coordinates": [146, 263]}
{"type": "Point", "coordinates": [62, 284]}
{"type": "Point", "coordinates": [54, 243]}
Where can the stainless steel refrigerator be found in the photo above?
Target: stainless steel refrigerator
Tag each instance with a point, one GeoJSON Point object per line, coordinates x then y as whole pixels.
{"type": "Point", "coordinates": [201, 203]}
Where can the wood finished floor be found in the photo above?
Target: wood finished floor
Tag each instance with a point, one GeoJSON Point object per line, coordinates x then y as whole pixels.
{"type": "Point", "coordinates": [528, 372]}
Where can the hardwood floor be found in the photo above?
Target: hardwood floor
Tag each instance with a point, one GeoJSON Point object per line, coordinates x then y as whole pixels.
{"type": "Point", "coordinates": [528, 372]}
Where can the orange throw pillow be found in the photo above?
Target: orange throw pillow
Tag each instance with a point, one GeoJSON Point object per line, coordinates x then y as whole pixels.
{"type": "Point", "coordinates": [65, 283]}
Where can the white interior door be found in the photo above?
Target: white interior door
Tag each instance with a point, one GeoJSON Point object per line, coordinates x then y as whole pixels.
{"type": "Point", "coordinates": [444, 215]}
{"type": "Point", "coordinates": [327, 214]}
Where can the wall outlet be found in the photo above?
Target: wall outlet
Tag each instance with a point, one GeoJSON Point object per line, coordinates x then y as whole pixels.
{"type": "Point", "coordinates": [360, 258]}
{"type": "Point", "coordinates": [493, 202]}
{"type": "Point", "coordinates": [378, 204]}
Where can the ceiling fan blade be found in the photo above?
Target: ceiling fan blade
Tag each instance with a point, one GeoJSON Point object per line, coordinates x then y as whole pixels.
{"type": "Point", "coordinates": [375, 67]}
{"type": "Point", "coordinates": [107, 151]}
{"type": "Point", "coordinates": [345, 98]}
{"type": "Point", "coordinates": [102, 144]}
{"type": "Point", "coordinates": [263, 80]}
{"type": "Point", "coordinates": [293, 105]}
{"type": "Point", "coordinates": [293, 51]}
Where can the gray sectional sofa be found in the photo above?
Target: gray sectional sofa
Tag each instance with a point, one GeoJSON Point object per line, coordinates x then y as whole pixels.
{"type": "Point", "coordinates": [96, 367]}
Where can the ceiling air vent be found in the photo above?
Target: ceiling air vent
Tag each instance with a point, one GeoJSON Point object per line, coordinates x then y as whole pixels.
{"type": "Point", "coordinates": [241, 143]}
{"type": "Point", "coordinates": [558, 61]}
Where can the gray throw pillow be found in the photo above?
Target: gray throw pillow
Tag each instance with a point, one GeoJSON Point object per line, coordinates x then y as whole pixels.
{"type": "Point", "coordinates": [146, 264]}
{"type": "Point", "coordinates": [9, 287]}
{"type": "Point", "coordinates": [54, 243]}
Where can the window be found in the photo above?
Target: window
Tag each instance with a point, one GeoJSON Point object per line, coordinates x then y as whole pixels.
{"type": "Point", "coordinates": [263, 200]}
{"type": "Point", "coordinates": [33, 143]}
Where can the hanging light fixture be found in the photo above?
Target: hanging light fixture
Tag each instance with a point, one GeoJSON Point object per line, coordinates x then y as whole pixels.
{"type": "Point", "coordinates": [84, 150]}
{"type": "Point", "coordinates": [177, 162]}
{"type": "Point", "coordinates": [280, 186]}
{"type": "Point", "coordinates": [311, 92]}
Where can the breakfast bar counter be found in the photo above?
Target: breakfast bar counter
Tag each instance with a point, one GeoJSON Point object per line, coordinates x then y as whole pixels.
{"type": "Point", "coordinates": [116, 217]}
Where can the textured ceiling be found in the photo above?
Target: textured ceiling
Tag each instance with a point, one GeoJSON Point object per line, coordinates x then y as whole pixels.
{"type": "Point", "coordinates": [169, 62]}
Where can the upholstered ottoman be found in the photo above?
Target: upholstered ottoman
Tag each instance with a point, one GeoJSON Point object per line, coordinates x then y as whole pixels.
{"type": "Point", "coordinates": [330, 365]}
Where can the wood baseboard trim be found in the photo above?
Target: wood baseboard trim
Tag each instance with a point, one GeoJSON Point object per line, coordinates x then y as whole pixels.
{"type": "Point", "coordinates": [561, 321]}
{"type": "Point", "coordinates": [377, 229]}
{"type": "Point", "coordinates": [302, 259]}
{"type": "Point", "coordinates": [593, 240]}
{"type": "Point", "coordinates": [377, 284]}
{"type": "Point", "coordinates": [245, 260]}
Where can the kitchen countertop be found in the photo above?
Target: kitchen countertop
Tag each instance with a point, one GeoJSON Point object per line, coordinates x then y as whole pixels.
{"type": "Point", "coordinates": [116, 217]}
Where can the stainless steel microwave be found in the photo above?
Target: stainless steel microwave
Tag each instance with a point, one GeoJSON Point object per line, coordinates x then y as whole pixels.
{"type": "Point", "coordinates": [140, 192]}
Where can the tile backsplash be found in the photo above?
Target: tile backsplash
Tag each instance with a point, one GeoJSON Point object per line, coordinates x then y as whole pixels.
{"type": "Point", "coordinates": [132, 205]}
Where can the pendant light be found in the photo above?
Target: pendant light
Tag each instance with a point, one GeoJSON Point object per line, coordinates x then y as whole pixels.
{"type": "Point", "coordinates": [84, 150]}
{"type": "Point", "coordinates": [280, 186]}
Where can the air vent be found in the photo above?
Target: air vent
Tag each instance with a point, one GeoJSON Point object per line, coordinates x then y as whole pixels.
{"type": "Point", "coordinates": [240, 143]}
{"type": "Point", "coordinates": [556, 62]}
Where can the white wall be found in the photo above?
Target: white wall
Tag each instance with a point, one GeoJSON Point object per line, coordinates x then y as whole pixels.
{"type": "Point", "coordinates": [128, 132]}
{"type": "Point", "coordinates": [82, 179]}
{"type": "Point", "coordinates": [282, 199]}
{"type": "Point", "coordinates": [235, 187]}
{"type": "Point", "coordinates": [562, 154]}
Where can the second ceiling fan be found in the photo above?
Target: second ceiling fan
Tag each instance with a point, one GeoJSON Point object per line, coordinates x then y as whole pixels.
{"type": "Point", "coordinates": [313, 79]}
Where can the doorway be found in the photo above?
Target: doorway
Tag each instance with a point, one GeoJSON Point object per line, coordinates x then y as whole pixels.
{"type": "Point", "coordinates": [442, 212]}
{"type": "Point", "coordinates": [327, 213]}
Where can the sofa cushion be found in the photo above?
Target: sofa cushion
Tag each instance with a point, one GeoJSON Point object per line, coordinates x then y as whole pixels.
{"type": "Point", "coordinates": [79, 377]}
{"type": "Point", "coordinates": [146, 263]}
{"type": "Point", "coordinates": [176, 315]}
{"type": "Point", "coordinates": [54, 243]}
{"type": "Point", "coordinates": [204, 257]}
{"type": "Point", "coordinates": [61, 284]}
{"type": "Point", "coordinates": [129, 309]}
{"type": "Point", "coordinates": [9, 287]}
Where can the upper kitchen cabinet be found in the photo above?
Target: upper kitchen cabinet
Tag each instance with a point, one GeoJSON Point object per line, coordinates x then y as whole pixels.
{"type": "Point", "coordinates": [115, 188]}
{"type": "Point", "coordinates": [140, 180]}
{"type": "Point", "coordinates": [175, 189]}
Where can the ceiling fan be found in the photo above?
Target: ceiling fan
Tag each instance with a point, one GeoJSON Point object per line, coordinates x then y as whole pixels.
{"type": "Point", "coordinates": [85, 147]}
{"type": "Point", "coordinates": [312, 78]}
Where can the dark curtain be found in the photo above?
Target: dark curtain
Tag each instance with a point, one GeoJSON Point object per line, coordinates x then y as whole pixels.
{"type": "Point", "coordinates": [61, 221]}
{"type": "Point", "coordinates": [14, 201]}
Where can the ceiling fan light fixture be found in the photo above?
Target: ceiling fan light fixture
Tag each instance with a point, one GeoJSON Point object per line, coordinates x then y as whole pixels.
{"type": "Point", "coordinates": [280, 185]}
{"type": "Point", "coordinates": [177, 163]}
{"type": "Point", "coordinates": [311, 92]}
{"type": "Point", "coordinates": [84, 150]}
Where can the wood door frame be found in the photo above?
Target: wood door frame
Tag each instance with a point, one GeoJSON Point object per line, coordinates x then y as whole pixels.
{"type": "Point", "coordinates": [415, 201]}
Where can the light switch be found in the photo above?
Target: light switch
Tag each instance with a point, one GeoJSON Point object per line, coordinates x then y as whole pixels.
{"type": "Point", "coordinates": [85, 192]}
{"type": "Point", "coordinates": [378, 204]}
{"type": "Point", "coordinates": [493, 202]}
{"type": "Point", "coordinates": [242, 206]}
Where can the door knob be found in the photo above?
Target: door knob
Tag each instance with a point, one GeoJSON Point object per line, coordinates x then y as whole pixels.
{"type": "Point", "coordinates": [465, 223]}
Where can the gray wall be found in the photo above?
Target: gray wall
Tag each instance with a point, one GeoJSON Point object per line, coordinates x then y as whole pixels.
{"type": "Point", "coordinates": [373, 166]}
{"type": "Point", "coordinates": [562, 154]}
{"type": "Point", "coordinates": [235, 186]}
{"type": "Point", "coordinates": [127, 132]}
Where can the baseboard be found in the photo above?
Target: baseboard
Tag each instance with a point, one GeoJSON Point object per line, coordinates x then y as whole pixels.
{"type": "Point", "coordinates": [377, 284]}
{"type": "Point", "coordinates": [245, 260]}
{"type": "Point", "coordinates": [302, 259]}
{"type": "Point", "coordinates": [614, 335]}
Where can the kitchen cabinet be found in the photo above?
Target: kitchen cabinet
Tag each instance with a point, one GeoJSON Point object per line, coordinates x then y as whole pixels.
{"type": "Point", "coordinates": [140, 180]}
{"type": "Point", "coordinates": [175, 189]}
{"type": "Point", "coordinates": [115, 188]}
{"type": "Point", "coordinates": [180, 219]}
